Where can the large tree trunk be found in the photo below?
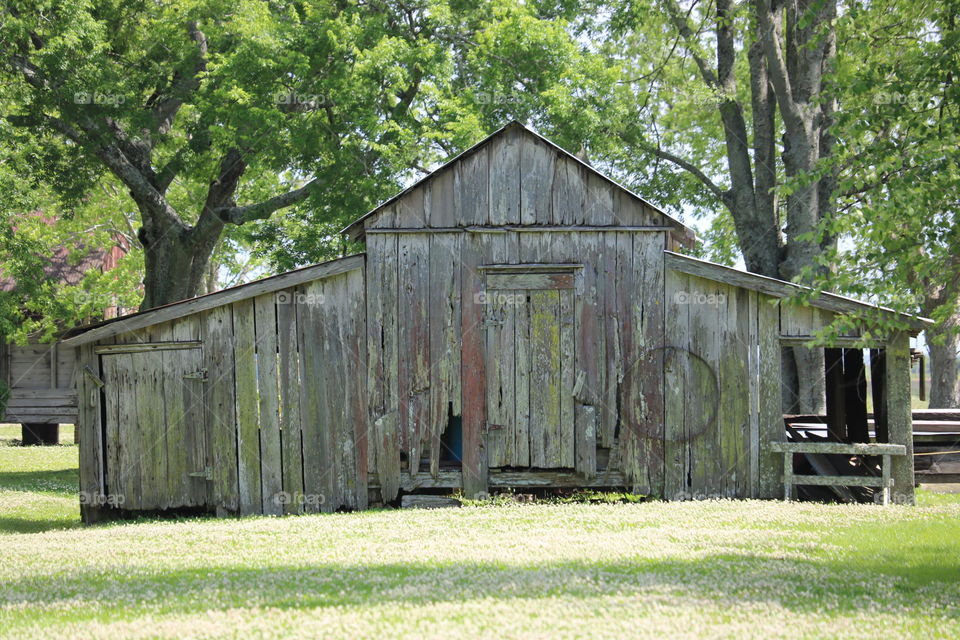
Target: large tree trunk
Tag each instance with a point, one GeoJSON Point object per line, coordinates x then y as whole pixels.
{"type": "Point", "coordinates": [176, 256]}
{"type": "Point", "coordinates": [173, 270]}
{"type": "Point", "coordinates": [799, 54]}
{"type": "Point", "coordinates": [944, 343]}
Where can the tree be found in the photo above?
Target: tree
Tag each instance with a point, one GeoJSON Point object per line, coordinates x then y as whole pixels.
{"type": "Point", "coordinates": [209, 122]}
{"type": "Point", "coordinates": [897, 171]}
{"type": "Point", "coordinates": [220, 113]}
{"type": "Point", "coordinates": [739, 98]}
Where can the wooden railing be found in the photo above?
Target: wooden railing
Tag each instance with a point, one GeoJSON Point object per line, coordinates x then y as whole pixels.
{"type": "Point", "coordinates": [790, 479]}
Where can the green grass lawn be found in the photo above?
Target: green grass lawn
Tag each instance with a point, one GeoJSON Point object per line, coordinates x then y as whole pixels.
{"type": "Point", "coordinates": [710, 569]}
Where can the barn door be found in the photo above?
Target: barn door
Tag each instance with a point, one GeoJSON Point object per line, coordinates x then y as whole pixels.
{"type": "Point", "coordinates": [529, 321]}
{"type": "Point", "coordinates": [155, 428]}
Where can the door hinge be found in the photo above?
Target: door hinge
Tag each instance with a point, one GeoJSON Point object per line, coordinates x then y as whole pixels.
{"type": "Point", "coordinates": [200, 375]}
{"type": "Point", "coordinates": [206, 474]}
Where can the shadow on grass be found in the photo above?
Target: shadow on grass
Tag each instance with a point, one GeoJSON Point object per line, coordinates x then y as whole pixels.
{"type": "Point", "coordinates": [809, 586]}
{"type": "Point", "coordinates": [36, 525]}
{"type": "Point", "coordinates": [65, 480]}
{"type": "Point", "coordinates": [39, 514]}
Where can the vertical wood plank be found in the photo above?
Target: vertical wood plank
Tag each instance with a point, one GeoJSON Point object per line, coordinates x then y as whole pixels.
{"type": "Point", "coordinates": [128, 468]}
{"type": "Point", "coordinates": [92, 461]}
{"type": "Point", "coordinates": [753, 377]}
{"type": "Point", "coordinates": [414, 344]}
{"type": "Point", "coordinates": [676, 384]}
{"type": "Point", "coordinates": [444, 344]}
{"type": "Point", "coordinates": [220, 398]}
{"type": "Point", "coordinates": [640, 268]}
{"type": "Point", "coordinates": [505, 178]}
{"type": "Point", "coordinates": [441, 205]}
{"type": "Point", "coordinates": [536, 181]}
{"type": "Point", "coordinates": [586, 421]}
{"type": "Point", "coordinates": [770, 427]}
{"type": "Point", "coordinates": [545, 381]}
{"type": "Point", "coordinates": [289, 381]}
{"type": "Point", "coordinates": [569, 191]}
{"type": "Point", "coordinates": [609, 416]}
{"type": "Point", "coordinates": [150, 419]}
{"type": "Point", "coordinates": [703, 416]}
{"type": "Point", "coordinates": [271, 472]}
{"type": "Point", "coordinates": [326, 383]}
{"type": "Point", "coordinates": [473, 369]}
{"type": "Point", "coordinates": [383, 351]}
{"type": "Point", "coordinates": [522, 360]}
{"type": "Point", "coordinates": [356, 424]}
{"type": "Point", "coordinates": [248, 425]}
{"type": "Point", "coordinates": [599, 201]}
{"type": "Point", "coordinates": [566, 436]}
{"type": "Point", "coordinates": [471, 189]}
{"type": "Point", "coordinates": [589, 348]}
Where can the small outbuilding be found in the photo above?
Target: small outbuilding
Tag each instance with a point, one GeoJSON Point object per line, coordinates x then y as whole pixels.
{"type": "Point", "coordinates": [518, 321]}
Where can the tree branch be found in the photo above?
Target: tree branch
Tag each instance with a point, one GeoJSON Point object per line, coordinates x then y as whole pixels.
{"type": "Point", "coordinates": [680, 21]}
{"type": "Point", "coordinates": [263, 210]}
{"type": "Point", "coordinates": [687, 166]}
{"type": "Point", "coordinates": [770, 37]}
{"type": "Point", "coordinates": [182, 84]}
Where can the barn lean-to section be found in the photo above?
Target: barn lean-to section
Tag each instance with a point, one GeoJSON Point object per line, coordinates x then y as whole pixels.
{"type": "Point", "coordinates": [517, 321]}
{"type": "Point", "coordinates": [252, 403]}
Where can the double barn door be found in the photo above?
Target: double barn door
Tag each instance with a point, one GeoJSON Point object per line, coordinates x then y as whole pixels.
{"type": "Point", "coordinates": [529, 318]}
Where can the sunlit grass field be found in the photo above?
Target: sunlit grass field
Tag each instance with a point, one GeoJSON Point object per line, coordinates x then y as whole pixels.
{"type": "Point", "coordinates": [709, 569]}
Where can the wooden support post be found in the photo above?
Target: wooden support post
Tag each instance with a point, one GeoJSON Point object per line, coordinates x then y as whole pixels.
{"type": "Point", "coordinates": [878, 382]}
{"type": "Point", "coordinates": [899, 415]}
{"type": "Point", "coordinates": [855, 391]}
{"type": "Point", "coordinates": [787, 476]}
{"type": "Point", "coordinates": [836, 398]}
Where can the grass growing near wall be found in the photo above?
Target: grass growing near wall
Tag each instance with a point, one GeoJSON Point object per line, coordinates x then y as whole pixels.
{"type": "Point", "coordinates": [760, 569]}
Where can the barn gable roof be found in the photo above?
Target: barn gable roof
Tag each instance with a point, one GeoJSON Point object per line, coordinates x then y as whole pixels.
{"type": "Point", "coordinates": [781, 288]}
{"type": "Point", "coordinates": [356, 229]}
{"type": "Point", "coordinates": [91, 333]}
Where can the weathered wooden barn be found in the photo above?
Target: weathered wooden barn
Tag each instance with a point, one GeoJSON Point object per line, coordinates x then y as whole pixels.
{"type": "Point", "coordinates": [517, 320]}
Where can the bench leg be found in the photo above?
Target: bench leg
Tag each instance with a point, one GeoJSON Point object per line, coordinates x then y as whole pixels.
{"type": "Point", "coordinates": [887, 480]}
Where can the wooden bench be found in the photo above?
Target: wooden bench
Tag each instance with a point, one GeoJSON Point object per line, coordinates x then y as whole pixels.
{"type": "Point", "coordinates": [790, 479]}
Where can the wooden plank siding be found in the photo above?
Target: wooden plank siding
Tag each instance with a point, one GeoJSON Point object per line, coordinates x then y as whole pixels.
{"type": "Point", "coordinates": [712, 378]}
{"type": "Point", "coordinates": [223, 424]}
{"type": "Point", "coordinates": [517, 295]}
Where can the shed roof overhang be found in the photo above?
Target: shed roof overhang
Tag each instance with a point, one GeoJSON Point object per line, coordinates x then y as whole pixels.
{"type": "Point", "coordinates": [783, 289]}
{"type": "Point", "coordinates": [101, 330]}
